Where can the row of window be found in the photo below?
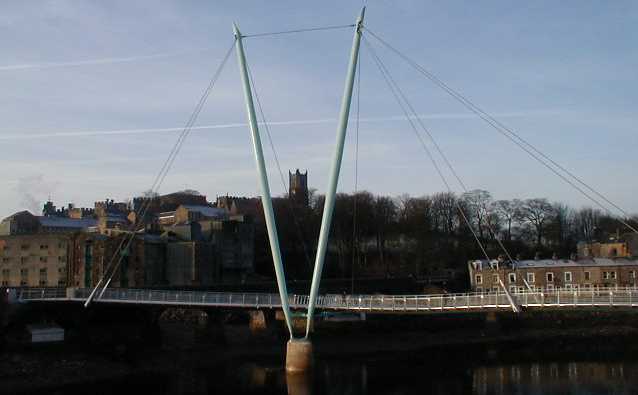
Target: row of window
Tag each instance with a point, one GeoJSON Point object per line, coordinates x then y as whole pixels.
{"type": "Point", "coordinates": [28, 246]}
{"type": "Point", "coordinates": [549, 276]}
{"type": "Point", "coordinates": [43, 276]}
{"type": "Point", "coordinates": [550, 287]}
{"type": "Point", "coordinates": [25, 259]}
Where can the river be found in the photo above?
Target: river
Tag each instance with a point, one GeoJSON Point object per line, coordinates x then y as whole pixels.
{"type": "Point", "coordinates": [395, 375]}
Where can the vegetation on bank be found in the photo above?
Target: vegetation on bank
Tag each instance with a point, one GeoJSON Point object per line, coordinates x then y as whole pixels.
{"type": "Point", "coordinates": [383, 236]}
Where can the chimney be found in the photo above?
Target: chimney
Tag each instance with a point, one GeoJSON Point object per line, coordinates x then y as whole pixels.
{"type": "Point", "coordinates": [554, 256]}
{"type": "Point", "coordinates": [537, 256]}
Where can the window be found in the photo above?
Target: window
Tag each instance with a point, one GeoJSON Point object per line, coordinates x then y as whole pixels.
{"type": "Point", "coordinates": [43, 276]}
{"type": "Point", "coordinates": [43, 259]}
{"type": "Point", "coordinates": [587, 276]}
{"type": "Point", "coordinates": [61, 282]}
{"type": "Point", "coordinates": [24, 259]}
{"type": "Point", "coordinates": [6, 259]}
{"type": "Point", "coordinates": [61, 259]}
{"type": "Point", "coordinates": [495, 278]}
{"type": "Point", "coordinates": [613, 275]}
{"type": "Point", "coordinates": [6, 248]}
{"type": "Point", "coordinates": [587, 286]}
{"type": "Point", "coordinates": [531, 278]}
{"type": "Point", "coordinates": [24, 247]}
{"type": "Point", "coordinates": [550, 277]}
{"type": "Point", "coordinates": [44, 247]}
{"type": "Point", "coordinates": [479, 289]}
{"type": "Point", "coordinates": [513, 289]}
{"type": "Point", "coordinates": [550, 287]}
{"type": "Point", "coordinates": [512, 277]}
{"type": "Point", "coordinates": [479, 279]}
{"type": "Point", "coordinates": [24, 276]}
{"type": "Point", "coordinates": [6, 273]}
{"type": "Point", "coordinates": [568, 277]}
{"type": "Point", "coordinates": [568, 287]}
{"type": "Point", "coordinates": [609, 275]}
{"type": "Point", "coordinates": [632, 274]}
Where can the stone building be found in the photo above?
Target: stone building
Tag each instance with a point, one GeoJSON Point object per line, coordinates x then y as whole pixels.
{"type": "Point", "coordinates": [298, 188]}
{"type": "Point", "coordinates": [551, 274]}
{"type": "Point", "coordinates": [142, 264]}
{"type": "Point", "coordinates": [22, 222]}
{"type": "Point", "coordinates": [618, 246]}
{"type": "Point", "coordinates": [38, 260]}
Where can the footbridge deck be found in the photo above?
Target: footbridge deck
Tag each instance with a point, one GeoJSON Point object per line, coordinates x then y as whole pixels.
{"type": "Point", "coordinates": [621, 297]}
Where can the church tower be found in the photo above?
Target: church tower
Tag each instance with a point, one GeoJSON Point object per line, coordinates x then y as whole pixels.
{"type": "Point", "coordinates": [298, 188]}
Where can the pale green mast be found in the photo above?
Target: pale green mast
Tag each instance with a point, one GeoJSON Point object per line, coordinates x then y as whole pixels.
{"type": "Point", "coordinates": [263, 181]}
{"type": "Point", "coordinates": [329, 204]}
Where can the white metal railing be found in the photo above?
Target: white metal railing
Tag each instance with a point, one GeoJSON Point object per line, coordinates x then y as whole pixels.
{"type": "Point", "coordinates": [612, 297]}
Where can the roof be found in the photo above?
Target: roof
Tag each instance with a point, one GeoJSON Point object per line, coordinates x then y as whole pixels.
{"type": "Point", "coordinates": [60, 222]}
{"type": "Point", "coordinates": [18, 214]}
{"type": "Point", "coordinates": [547, 263]}
{"type": "Point", "coordinates": [206, 211]}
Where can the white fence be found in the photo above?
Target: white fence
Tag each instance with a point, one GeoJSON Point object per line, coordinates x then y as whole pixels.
{"type": "Point", "coordinates": [620, 297]}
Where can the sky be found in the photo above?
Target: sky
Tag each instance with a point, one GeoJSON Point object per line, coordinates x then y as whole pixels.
{"type": "Point", "coordinates": [94, 95]}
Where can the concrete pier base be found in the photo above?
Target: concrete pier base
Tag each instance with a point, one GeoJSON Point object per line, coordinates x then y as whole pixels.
{"type": "Point", "coordinates": [299, 356]}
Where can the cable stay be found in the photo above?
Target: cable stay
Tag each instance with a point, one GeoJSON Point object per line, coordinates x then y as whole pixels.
{"type": "Point", "coordinates": [305, 30]}
{"type": "Point", "coordinates": [406, 107]}
{"type": "Point", "coordinates": [127, 240]}
{"type": "Point", "coordinates": [265, 123]}
{"type": "Point", "coordinates": [567, 176]}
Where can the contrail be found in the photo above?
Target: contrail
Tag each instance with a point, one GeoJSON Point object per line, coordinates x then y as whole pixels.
{"type": "Point", "coordinates": [48, 65]}
{"type": "Point", "coordinates": [395, 118]}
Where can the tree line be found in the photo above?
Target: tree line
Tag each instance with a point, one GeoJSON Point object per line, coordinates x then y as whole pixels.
{"type": "Point", "coordinates": [419, 236]}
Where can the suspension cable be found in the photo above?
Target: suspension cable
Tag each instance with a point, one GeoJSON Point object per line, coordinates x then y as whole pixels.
{"type": "Point", "coordinates": [398, 96]}
{"type": "Point", "coordinates": [515, 138]}
{"type": "Point", "coordinates": [125, 243]}
{"type": "Point", "coordinates": [311, 29]}
{"type": "Point", "coordinates": [278, 165]}
{"type": "Point", "coordinates": [443, 156]}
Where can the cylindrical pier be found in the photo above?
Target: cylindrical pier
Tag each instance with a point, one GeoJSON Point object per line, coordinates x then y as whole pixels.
{"type": "Point", "coordinates": [299, 356]}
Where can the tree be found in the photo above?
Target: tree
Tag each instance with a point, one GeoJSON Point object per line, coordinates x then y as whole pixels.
{"type": "Point", "coordinates": [476, 201]}
{"type": "Point", "coordinates": [507, 211]}
{"type": "Point", "coordinates": [537, 212]}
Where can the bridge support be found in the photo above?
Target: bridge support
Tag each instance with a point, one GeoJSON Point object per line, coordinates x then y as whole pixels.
{"type": "Point", "coordinates": [299, 356]}
{"type": "Point", "coordinates": [266, 199]}
{"type": "Point", "coordinates": [328, 207]}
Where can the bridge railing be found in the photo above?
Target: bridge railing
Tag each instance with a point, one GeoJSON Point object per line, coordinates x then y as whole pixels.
{"type": "Point", "coordinates": [386, 303]}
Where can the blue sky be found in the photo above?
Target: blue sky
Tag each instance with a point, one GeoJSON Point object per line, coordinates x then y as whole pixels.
{"type": "Point", "coordinates": [94, 94]}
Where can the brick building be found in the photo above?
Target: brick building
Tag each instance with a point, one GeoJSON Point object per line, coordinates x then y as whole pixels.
{"type": "Point", "coordinates": [34, 260]}
{"type": "Point", "coordinates": [553, 274]}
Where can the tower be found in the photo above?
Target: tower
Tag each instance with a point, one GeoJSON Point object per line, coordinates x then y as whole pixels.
{"type": "Point", "coordinates": [298, 187]}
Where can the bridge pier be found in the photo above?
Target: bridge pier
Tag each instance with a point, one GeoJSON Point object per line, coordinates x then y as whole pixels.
{"type": "Point", "coordinates": [492, 324]}
{"type": "Point", "coordinates": [299, 356]}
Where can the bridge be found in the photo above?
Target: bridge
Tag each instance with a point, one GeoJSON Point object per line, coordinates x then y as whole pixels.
{"type": "Point", "coordinates": [299, 351]}
{"type": "Point", "coordinates": [416, 304]}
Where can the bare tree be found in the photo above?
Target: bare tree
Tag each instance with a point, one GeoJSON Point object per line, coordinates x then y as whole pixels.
{"type": "Point", "coordinates": [537, 213]}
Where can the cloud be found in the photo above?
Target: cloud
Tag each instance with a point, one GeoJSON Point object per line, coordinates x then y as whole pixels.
{"type": "Point", "coordinates": [393, 118]}
{"type": "Point", "coordinates": [89, 62]}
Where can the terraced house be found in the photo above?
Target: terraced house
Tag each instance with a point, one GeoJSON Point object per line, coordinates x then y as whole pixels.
{"type": "Point", "coordinates": [551, 274]}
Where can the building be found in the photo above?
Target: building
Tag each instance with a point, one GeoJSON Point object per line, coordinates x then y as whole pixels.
{"type": "Point", "coordinates": [298, 188]}
{"type": "Point", "coordinates": [22, 222]}
{"type": "Point", "coordinates": [38, 260]}
{"type": "Point", "coordinates": [551, 274]}
{"type": "Point", "coordinates": [618, 246]}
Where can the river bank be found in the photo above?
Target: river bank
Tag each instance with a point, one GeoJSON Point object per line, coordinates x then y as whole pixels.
{"type": "Point", "coordinates": [185, 349]}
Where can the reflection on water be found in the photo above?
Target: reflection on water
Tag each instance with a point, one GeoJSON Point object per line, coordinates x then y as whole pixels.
{"type": "Point", "coordinates": [389, 376]}
{"type": "Point", "coordinates": [393, 377]}
{"type": "Point", "coordinates": [563, 378]}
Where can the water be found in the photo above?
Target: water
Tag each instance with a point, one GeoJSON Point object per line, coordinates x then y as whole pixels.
{"type": "Point", "coordinates": [387, 376]}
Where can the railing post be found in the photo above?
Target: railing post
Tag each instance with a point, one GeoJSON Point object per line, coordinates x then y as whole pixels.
{"type": "Point", "coordinates": [542, 299]}
{"type": "Point", "coordinates": [558, 297]}
{"type": "Point", "coordinates": [611, 298]}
